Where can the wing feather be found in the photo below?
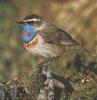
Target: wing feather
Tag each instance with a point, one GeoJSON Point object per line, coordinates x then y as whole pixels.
{"type": "Point", "coordinates": [55, 35]}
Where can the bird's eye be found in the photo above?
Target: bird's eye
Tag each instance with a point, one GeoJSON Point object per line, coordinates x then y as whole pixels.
{"type": "Point", "coordinates": [35, 23]}
{"type": "Point", "coordinates": [31, 23]}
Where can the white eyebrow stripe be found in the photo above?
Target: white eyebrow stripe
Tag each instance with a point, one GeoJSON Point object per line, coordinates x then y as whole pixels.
{"type": "Point", "coordinates": [34, 19]}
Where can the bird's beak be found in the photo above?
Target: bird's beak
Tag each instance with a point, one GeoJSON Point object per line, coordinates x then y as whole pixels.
{"type": "Point", "coordinates": [20, 22]}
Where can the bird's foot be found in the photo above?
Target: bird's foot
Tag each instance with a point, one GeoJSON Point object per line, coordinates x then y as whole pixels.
{"type": "Point", "coordinates": [44, 63]}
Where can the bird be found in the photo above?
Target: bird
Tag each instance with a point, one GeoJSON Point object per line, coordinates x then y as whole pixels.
{"type": "Point", "coordinates": [45, 39]}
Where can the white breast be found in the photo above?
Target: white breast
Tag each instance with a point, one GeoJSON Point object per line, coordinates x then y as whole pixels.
{"type": "Point", "coordinates": [41, 48]}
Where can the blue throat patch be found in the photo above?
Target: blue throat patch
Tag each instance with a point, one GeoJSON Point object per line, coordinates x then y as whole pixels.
{"type": "Point", "coordinates": [32, 32]}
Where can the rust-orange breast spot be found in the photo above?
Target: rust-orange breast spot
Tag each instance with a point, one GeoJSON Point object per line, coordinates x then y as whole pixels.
{"type": "Point", "coordinates": [27, 33]}
{"type": "Point", "coordinates": [32, 44]}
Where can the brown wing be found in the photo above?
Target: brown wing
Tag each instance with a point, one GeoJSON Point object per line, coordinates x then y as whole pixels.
{"type": "Point", "coordinates": [55, 35]}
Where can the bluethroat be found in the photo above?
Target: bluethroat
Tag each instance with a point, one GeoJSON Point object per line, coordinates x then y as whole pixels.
{"type": "Point", "coordinates": [45, 39]}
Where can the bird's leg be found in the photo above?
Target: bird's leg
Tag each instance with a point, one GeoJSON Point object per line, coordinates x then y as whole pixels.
{"type": "Point", "coordinates": [43, 62]}
{"type": "Point", "coordinates": [42, 67]}
{"type": "Point", "coordinates": [47, 91]}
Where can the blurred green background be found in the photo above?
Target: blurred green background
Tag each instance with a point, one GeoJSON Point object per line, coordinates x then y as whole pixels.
{"type": "Point", "coordinates": [78, 17]}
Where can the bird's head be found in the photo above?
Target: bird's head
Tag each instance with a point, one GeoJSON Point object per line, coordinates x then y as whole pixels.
{"type": "Point", "coordinates": [31, 25]}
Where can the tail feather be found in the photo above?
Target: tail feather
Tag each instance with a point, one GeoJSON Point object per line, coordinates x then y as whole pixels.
{"type": "Point", "coordinates": [79, 47]}
{"type": "Point", "coordinates": [89, 51]}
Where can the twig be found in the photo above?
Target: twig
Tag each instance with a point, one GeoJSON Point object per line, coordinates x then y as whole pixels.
{"type": "Point", "coordinates": [48, 91]}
